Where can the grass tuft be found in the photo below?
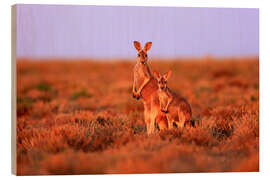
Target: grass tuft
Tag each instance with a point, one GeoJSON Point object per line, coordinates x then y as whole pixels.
{"type": "Point", "coordinates": [79, 94]}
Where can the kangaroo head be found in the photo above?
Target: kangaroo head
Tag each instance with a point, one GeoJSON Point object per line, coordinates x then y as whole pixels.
{"type": "Point", "coordinates": [142, 53]}
{"type": "Point", "coordinates": [163, 80]}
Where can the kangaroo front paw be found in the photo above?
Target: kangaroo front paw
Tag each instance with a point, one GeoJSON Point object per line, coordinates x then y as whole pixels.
{"type": "Point", "coordinates": [165, 111]}
{"type": "Point", "coordinates": [137, 95]}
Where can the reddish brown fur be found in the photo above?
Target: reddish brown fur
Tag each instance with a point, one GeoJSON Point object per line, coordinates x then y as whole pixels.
{"type": "Point", "coordinates": [179, 110]}
{"type": "Point", "coordinates": [145, 87]}
{"type": "Point", "coordinates": [176, 107]}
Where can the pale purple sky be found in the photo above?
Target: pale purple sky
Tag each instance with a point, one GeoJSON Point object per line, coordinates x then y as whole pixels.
{"type": "Point", "coordinates": [109, 31]}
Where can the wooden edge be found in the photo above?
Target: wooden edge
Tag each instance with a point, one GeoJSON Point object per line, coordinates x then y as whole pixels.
{"type": "Point", "coordinates": [13, 90]}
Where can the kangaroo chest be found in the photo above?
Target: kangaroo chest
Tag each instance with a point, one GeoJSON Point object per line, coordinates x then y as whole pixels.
{"type": "Point", "coordinates": [140, 73]}
{"type": "Point", "coordinates": [163, 98]}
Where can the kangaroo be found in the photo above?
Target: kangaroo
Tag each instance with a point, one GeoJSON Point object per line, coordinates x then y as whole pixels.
{"type": "Point", "coordinates": [145, 86]}
{"type": "Point", "coordinates": [176, 108]}
{"type": "Point", "coordinates": [142, 74]}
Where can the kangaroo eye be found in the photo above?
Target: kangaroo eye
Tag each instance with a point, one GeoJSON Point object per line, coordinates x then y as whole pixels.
{"type": "Point", "coordinates": [145, 55]}
{"type": "Point", "coordinates": [139, 55]}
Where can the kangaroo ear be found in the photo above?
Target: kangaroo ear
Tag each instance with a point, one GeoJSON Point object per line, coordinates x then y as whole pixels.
{"type": "Point", "coordinates": [168, 74]}
{"type": "Point", "coordinates": [137, 45]}
{"type": "Point", "coordinates": [157, 74]}
{"type": "Point", "coordinates": [147, 46]}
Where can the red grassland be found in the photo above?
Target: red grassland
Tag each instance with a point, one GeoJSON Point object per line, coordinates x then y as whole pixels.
{"type": "Point", "coordinates": [79, 117]}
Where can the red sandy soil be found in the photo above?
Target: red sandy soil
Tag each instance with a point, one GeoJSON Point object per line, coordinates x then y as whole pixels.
{"type": "Point", "coordinates": [79, 117]}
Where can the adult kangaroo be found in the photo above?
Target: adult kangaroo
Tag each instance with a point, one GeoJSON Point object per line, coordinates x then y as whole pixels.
{"type": "Point", "coordinates": [145, 87]}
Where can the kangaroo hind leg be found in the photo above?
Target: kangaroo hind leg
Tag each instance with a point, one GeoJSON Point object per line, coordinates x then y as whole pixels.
{"type": "Point", "coordinates": [147, 118]}
{"type": "Point", "coordinates": [181, 119]}
{"type": "Point", "coordinates": [162, 122]}
{"type": "Point", "coordinates": [170, 121]}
